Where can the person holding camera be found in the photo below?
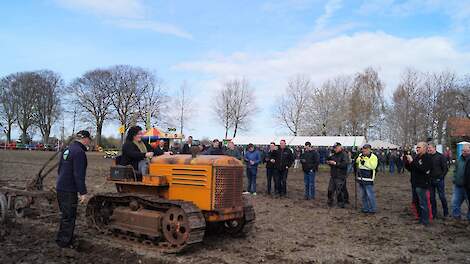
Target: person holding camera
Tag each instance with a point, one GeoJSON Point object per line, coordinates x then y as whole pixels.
{"type": "Point", "coordinates": [420, 167]}
{"type": "Point", "coordinates": [366, 164]}
{"type": "Point", "coordinates": [339, 171]}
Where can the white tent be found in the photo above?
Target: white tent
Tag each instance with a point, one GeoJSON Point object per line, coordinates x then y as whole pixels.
{"type": "Point", "coordinates": [321, 141]}
{"type": "Point", "coordinates": [377, 144]}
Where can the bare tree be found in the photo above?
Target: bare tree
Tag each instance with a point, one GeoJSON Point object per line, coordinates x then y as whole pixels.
{"type": "Point", "coordinates": [462, 95]}
{"type": "Point", "coordinates": [366, 101]}
{"type": "Point", "coordinates": [184, 105]}
{"type": "Point", "coordinates": [291, 107]}
{"type": "Point", "coordinates": [223, 108]}
{"type": "Point", "coordinates": [153, 99]}
{"type": "Point", "coordinates": [7, 105]}
{"type": "Point", "coordinates": [47, 108]}
{"type": "Point", "coordinates": [327, 109]}
{"type": "Point", "coordinates": [128, 85]}
{"type": "Point", "coordinates": [407, 113]}
{"type": "Point", "coordinates": [90, 93]}
{"type": "Point", "coordinates": [25, 94]}
{"type": "Point", "coordinates": [243, 104]}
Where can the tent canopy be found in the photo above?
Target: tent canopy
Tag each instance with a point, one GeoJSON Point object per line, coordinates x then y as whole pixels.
{"type": "Point", "coordinates": [320, 141]}
{"type": "Point", "coordinates": [377, 144]}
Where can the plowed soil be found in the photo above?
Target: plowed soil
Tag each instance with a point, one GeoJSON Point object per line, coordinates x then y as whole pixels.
{"type": "Point", "coordinates": [289, 230]}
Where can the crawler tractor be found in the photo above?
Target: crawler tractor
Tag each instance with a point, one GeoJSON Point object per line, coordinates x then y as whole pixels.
{"type": "Point", "coordinates": [172, 205]}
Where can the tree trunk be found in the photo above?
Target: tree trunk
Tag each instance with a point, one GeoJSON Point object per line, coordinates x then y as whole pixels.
{"type": "Point", "coordinates": [99, 129]}
{"type": "Point", "coordinates": [235, 130]}
{"type": "Point", "coordinates": [24, 136]}
{"type": "Point", "coordinates": [9, 132]}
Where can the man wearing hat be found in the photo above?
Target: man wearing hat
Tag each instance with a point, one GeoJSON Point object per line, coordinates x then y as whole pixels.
{"type": "Point", "coordinates": [339, 171]}
{"type": "Point", "coordinates": [214, 149]}
{"type": "Point", "coordinates": [366, 164]}
{"type": "Point", "coordinates": [71, 180]}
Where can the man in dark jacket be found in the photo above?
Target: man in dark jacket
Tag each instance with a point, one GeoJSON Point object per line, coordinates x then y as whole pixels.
{"type": "Point", "coordinates": [270, 169]}
{"type": "Point", "coordinates": [339, 171]}
{"type": "Point", "coordinates": [283, 160]}
{"type": "Point", "coordinates": [215, 149]}
{"type": "Point", "coordinates": [310, 161]}
{"type": "Point", "coordinates": [187, 146]}
{"type": "Point", "coordinates": [232, 151]}
{"type": "Point", "coordinates": [160, 150]}
{"type": "Point", "coordinates": [71, 180]}
{"type": "Point", "coordinates": [420, 167]}
{"type": "Point", "coordinates": [438, 173]}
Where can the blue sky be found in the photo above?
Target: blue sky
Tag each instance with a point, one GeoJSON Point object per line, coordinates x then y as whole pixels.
{"type": "Point", "coordinates": [207, 42]}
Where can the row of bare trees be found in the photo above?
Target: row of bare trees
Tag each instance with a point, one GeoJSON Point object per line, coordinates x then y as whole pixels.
{"type": "Point", "coordinates": [344, 105]}
{"type": "Point", "coordinates": [123, 93]}
{"type": "Point", "coordinates": [30, 100]}
{"type": "Point", "coordinates": [356, 105]}
{"type": "Point", "coordinates": [422, 104]}
{"type": "Point", "coordinates": [235, 105]}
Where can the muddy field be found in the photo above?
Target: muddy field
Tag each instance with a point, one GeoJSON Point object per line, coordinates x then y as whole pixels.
{"type": "Point", "coordinates": [286, 231]}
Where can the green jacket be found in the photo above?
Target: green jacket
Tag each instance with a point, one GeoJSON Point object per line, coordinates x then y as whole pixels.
{"type": "Point", "coordinates": [459, 171]}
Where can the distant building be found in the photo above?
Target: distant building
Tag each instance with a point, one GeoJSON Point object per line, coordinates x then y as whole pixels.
{"type": "Point", "coordinates": [458, 127]}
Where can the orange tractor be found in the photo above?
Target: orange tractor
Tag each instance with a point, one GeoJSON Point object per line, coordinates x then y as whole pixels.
{"type": "Point", "coordinates": [172, 205]}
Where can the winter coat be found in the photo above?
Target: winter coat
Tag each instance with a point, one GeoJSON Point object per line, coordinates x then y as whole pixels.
{"type": "Point", "coordinates": [131, 154]}
{"type": "Point", "coordinates": [213, 151]}
{"type": "Point", "coordinates": [233, 153]}
{"type": "Point", "coordinates": [439, 166]}
{"type": "Point", "coordinates": [283, 159]}
{"type": "Point", "coordinates": [267, 159]}
{"type": "Point", "coordinates": [310, 160]}
{"type": "Point", "coordinates": [420, 170]}
{"type": "Point", "coordinates": [72, 169]}
{"type": "Point", "coordinates": [366, 166]}
{"type": "Point", "coordinates": [459, 170]}
{"type": "Point", "coordinates": [340, 169]}
{"type": "Point", "coordinates": [254, 156]}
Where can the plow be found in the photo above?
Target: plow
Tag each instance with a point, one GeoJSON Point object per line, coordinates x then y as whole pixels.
{"type": "Point", "coordinates": [22, 201]}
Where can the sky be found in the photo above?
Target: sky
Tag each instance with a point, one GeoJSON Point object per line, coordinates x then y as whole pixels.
{"type": "Point", "coordinates": [206, 43]}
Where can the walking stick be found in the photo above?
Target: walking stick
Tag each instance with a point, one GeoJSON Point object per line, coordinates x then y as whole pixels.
{"type": "Point", "coordinates": [355, 188]}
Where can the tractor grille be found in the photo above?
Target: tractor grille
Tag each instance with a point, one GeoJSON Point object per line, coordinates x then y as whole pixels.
{"type": "Point", "coordinates": [228, 187]}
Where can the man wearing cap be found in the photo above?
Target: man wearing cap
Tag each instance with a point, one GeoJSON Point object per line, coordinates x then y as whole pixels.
{"type": "Point", "coordinates": [310, 161]}
{"type": "Point", "coordinates": [339, 171]}
{"type": "Point", "coordinates": [366, 165]}
{"type": "Point", "coordinates": [71, 180]}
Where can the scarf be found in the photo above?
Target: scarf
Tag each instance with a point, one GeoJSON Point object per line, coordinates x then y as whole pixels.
{"type": "Point", "coordinates": [141, 146]}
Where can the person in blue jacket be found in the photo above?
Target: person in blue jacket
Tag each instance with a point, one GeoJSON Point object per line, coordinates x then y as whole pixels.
{"type": "Point", "coordinates": [252, 159]}
{"type": "Point", "coordinates": [71, 180]}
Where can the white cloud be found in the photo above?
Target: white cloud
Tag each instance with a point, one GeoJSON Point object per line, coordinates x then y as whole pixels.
{"type": "Point", "coordinates": [330, 7]}
{"type": "Point", "coordinates": [107, 8]}
{"type": "Point", "coordinates": [153, 26]}
{"type": "Point", "coordinates": [129, 14]}
{"type": "Point", "coordinates": [342, 55]}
